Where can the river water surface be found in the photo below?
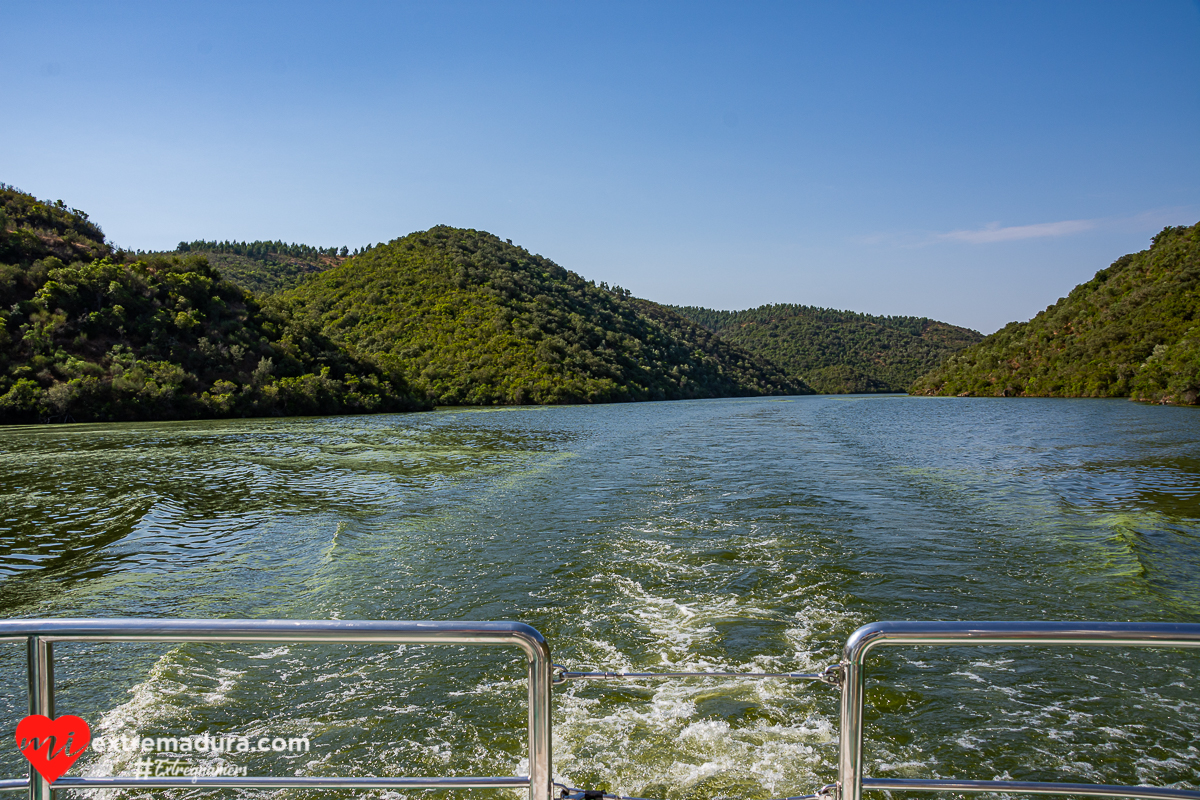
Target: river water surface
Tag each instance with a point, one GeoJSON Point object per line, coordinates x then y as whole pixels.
{"type": "Point", "coordinates": [710, 535]}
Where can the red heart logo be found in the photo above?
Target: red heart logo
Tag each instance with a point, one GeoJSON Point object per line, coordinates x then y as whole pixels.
{"type": "Point", "coordinates": [52, 745]}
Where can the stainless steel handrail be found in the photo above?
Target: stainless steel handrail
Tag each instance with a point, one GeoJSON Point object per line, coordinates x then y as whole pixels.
{"type": "Point", "coordinates": [565, 675]}
{"type": "Point", "coordinates": [1026, 787]}
{"type": "Point", "coordinates": [1081, 634]}
{"type": "Point", "coordinates": [41, 634]}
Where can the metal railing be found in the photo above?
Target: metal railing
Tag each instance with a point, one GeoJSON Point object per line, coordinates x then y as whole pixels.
{"type": "Point", "coordinates": [1075, 634]}
{"type": "Point", "coordinates": [849, 674]}
{"type": "Point", "coordinates": [40, 635]}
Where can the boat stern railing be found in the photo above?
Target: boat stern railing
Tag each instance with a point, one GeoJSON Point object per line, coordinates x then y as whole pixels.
{"type": "Point", "coordinates": [851, 781]}
{"type": "Point", "coordinates": [40, 636]}
{"type": "Point", "coordinates": [849, 675]}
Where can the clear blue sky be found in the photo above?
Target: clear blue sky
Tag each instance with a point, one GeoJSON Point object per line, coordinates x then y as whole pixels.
{"type": "Point", "coordinates": [966, 161]}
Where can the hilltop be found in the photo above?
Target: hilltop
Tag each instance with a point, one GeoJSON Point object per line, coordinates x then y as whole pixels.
{"type": "Point", "coordinates": [837, 352]}
{"type": "Point", "coordinates": [89, 333]}
{"type": "Point", "coordinates": [478, 320]}
{"type": "Point", "coordinates": [1131, 331]}
{"type": "Point", "coordinates": [32, 229]}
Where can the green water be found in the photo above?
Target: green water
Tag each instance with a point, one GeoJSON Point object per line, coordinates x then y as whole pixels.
{"type": "Point", "coordinates": [733, 534]}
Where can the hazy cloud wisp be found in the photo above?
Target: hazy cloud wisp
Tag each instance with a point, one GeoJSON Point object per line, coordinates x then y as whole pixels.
{"type": "Point", "coordinates": [995, 233]}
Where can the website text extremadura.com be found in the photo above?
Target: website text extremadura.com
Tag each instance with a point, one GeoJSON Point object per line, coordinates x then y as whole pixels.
{"type": "Point", "coordinates": [202, 743]}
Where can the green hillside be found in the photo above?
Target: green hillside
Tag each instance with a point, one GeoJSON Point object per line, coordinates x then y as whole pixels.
{"type": "Point", "coordinates": [1131, 331]}
{"type": "Point", "coordinates": [836, 352]}
{"type": "Point", "coordinates": [477, 320]}
{"type": "Point", "coordinates": [89, 334]}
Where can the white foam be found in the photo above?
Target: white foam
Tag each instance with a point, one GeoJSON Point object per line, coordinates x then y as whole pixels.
{"type": "Point", "coordinates": [659, 738]}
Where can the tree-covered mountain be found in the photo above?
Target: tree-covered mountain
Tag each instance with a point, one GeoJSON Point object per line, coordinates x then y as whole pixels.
{"type": "Point", "coordinates": [836, 352]}
{"type": "Point", "coordinates": [477, 320]}
{"type": "Point", "coordinates": [263, 267]}
{"type": "Point", "coordinates": [1131, 331]}
{"type": "Point", "coordinates": [92, 334]}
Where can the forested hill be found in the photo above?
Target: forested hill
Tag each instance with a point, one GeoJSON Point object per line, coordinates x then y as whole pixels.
{"type": "Point", "coordinates": [263, 267]}
{"type": "Point", "coordinates": [92, 334]}
{"type": "Point", "coordinates": [477, 320]}
{"type": "Point", "coordinates": [1131, 331]}
{"type": "Point", "coordinates": [837, 352]}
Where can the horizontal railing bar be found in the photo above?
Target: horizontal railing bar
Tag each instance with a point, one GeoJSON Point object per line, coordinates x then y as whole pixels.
{"type": "Point", "coordinates": [1083, 634]}
{"type": "Point", "coordinates": [14, 784]}
{"type": "Point", "coordinates": [275, 630]}
{"type": "Point", "coordinates": [215, 782]}
{"type": "Point", "coordinates": [1027, 787]}
{"type": "Point", "coordinates": [599, 676]}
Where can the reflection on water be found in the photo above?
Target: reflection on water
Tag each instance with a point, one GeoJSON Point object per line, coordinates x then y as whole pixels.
{"type": "Point", "coordinates": [733, 534]}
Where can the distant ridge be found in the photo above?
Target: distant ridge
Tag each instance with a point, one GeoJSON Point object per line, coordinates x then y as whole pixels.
{"type": "Point", "coordinates": [263, 266]}
{"type": "Point", "coordinates": [838, 352]}
{"type": "Point", "coordinates": [1131, 331]}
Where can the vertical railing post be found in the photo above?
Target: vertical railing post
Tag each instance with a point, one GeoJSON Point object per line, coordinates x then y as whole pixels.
{"type": "Point", "coordinates": [541, 778]}
{"type": "Point", "coordinates": [850, 774]}
{"type": "Point", "coordinates": [41, 701]}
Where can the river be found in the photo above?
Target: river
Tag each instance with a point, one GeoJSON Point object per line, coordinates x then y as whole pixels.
{"type": "Point", "coordinates": [742, 534]}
